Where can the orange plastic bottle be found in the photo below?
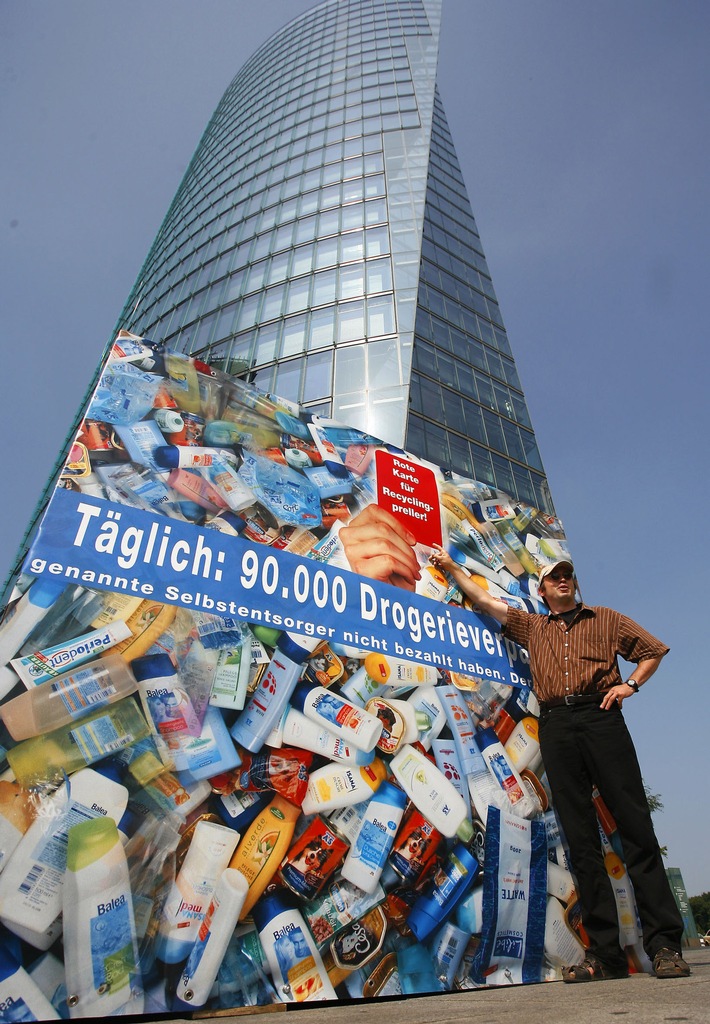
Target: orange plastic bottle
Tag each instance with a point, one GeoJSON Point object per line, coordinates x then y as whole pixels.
{"type": "Point", "coordinates": [263, 846]}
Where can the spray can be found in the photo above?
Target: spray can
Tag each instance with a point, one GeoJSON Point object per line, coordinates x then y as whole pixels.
{"type": "Point", "coordinates": [190, 456]}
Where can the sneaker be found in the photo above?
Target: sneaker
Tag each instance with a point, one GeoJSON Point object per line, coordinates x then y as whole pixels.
{"type": "Point", "coordinates": [667, 963]}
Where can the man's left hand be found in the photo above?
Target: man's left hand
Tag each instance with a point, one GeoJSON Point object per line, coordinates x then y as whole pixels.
{"type": "Point", "coordinates": [616, 696]}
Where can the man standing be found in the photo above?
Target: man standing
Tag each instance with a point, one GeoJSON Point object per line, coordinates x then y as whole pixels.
{"type": "Point", "coordinates": [584, 742]}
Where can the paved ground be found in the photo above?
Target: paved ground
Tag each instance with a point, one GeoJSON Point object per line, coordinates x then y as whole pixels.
{"type": "Point", "coordinates": [640, 998]}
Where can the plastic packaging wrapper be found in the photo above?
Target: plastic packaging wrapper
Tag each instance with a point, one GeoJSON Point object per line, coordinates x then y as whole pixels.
{"type": "Point", "coordinates": [213, 539]}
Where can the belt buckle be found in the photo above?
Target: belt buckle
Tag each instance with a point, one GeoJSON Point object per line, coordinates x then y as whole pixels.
{"type": "Point", "coordinates": [569, 699]}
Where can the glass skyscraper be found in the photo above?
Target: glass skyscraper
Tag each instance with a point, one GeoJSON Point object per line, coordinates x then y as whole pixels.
{"type": "Point", "coordinates": [322, 244]}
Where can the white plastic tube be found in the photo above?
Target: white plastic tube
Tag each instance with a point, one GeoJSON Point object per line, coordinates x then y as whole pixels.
{"type": "Point", "coordinates": [43, 666]}
{"type": "Point", "coordinates": [207, 857]}
{"type": "Point", "coordinates": [299, 731]}
{"type": "Point", "coordinates": [213, 937]}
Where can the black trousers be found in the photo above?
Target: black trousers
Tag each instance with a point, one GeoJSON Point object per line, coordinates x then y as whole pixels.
{"type": "Point", "coordinates": [582, 745]}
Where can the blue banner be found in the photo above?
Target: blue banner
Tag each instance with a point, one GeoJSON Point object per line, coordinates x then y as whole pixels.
{"type": "Point", "coordinates": [107, 546]}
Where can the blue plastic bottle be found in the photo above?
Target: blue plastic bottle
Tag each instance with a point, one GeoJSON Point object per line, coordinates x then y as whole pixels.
{"type": "Point", "coordinates": [444, 892]}
{"type": "Point", "coordinates": [368, 855]}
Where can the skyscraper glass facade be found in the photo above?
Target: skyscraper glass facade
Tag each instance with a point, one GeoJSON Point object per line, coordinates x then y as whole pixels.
{"type": "Point", "coordinates": [467, 408]}
{"type": "Point", "coordinates": [322, 244]}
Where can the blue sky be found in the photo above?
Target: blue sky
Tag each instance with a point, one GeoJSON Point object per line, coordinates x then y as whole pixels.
{"type": "Point", "coordinates": [582, 134]}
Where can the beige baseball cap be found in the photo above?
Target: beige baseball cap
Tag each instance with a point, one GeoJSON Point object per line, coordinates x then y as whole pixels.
{"type": "Point", "coordinates": [555, 565]}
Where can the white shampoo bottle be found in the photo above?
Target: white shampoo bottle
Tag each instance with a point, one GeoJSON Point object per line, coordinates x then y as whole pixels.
{"type": "Point", "coordinates": [100, 946]}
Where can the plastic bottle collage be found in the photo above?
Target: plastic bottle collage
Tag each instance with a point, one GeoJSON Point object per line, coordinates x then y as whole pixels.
{"type": "Point", "coordinates": [200, 810]}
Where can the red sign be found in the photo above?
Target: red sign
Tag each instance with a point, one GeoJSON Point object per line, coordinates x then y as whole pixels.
{"type": "Point", "coordinates": [409, 492]}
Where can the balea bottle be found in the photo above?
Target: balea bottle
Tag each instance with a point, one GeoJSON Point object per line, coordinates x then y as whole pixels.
{"type": "Point", "coordinates": [100, 946]}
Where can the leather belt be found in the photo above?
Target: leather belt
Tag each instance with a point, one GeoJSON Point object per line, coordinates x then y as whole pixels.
{"type": "Point", "coordinates": [570, 700]}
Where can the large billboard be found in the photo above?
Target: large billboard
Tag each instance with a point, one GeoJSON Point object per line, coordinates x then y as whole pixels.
{"type": "Point", "coordinates": [261, 748]}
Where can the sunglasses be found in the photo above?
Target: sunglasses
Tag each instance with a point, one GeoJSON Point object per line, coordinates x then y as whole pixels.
{"type": "Point", "coordinates": [561, 574]}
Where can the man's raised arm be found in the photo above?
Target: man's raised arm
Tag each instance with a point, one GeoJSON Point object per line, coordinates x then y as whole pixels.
{"type": "Point", "coordinates": [482, 600]}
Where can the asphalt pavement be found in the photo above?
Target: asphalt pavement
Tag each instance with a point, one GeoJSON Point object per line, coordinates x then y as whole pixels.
{"type": "Point", "coordinates": [640, 998]}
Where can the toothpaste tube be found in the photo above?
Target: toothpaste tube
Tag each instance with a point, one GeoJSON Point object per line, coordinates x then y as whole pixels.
{"type": "Point", "coordinates": [44, 665]}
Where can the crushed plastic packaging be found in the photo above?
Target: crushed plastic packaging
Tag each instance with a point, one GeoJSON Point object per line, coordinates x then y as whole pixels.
{"type": "Point", "coordinates": [169, 763]}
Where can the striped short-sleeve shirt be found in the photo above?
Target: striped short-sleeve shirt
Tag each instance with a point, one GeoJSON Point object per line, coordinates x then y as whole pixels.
{"type": "Point", "coordinates": [581, 657]}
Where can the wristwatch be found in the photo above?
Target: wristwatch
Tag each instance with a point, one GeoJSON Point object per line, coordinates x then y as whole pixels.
{"type": "Point", "coordinates": [633, 684]}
